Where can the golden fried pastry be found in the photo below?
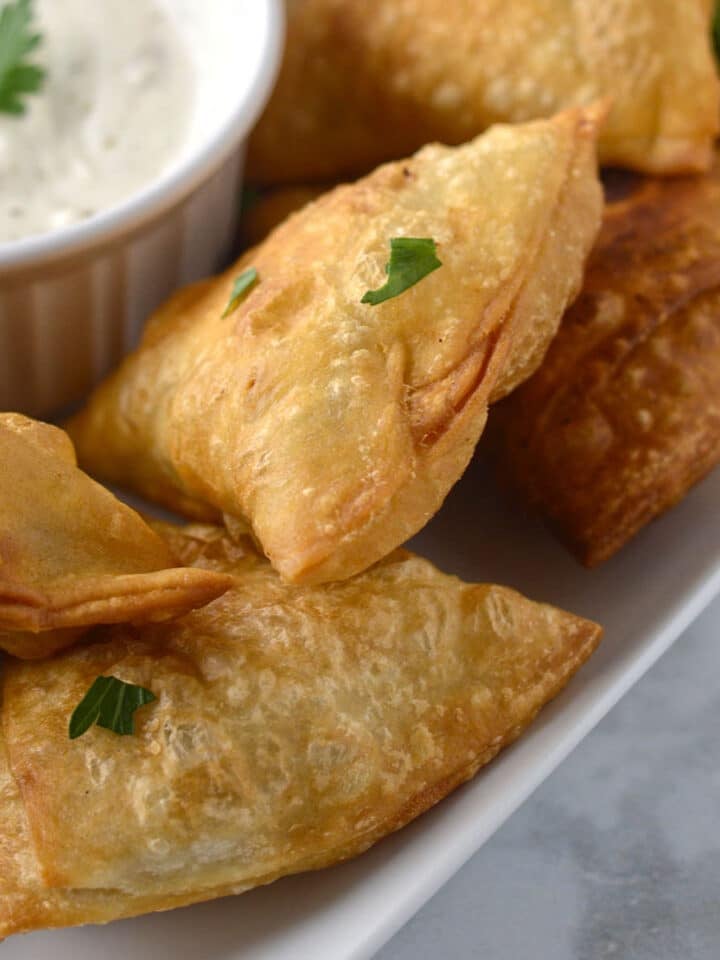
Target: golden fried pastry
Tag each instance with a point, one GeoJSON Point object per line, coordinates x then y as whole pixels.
{"type": "Point", "coordinates": [293, 727]}
{"type": "Point", "coordinates": [364, 81]}
{"type": "Point", "coordinates": [71, 555]}
{"type": "Point", "coordinates": [624, 415]}
{"type": "Point", "coordinates": [333, 426]}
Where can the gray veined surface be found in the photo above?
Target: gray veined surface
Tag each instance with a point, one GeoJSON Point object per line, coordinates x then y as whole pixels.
{"type": "Point", "coordinates": [617, 855]}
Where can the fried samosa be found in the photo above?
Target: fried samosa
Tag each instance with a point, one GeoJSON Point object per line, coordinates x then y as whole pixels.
{"type": "Point", "coordinates": [72, 555]}
{"type": "Point", "coordinates": [365, 81]}
{"type": "Point", "coordinates": [335, 428]}
{"type": "Point", "coordinates": [624, 415]}
{"type": "Point", "coordinates": [293, 728]}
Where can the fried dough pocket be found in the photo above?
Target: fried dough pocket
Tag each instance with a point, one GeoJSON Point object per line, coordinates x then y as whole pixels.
{"type": "Point", "coordinates": [333, 427]}
{"type": "Point", "coordinates": [71, 554]}
{"type": "Point", "coordinates": [624, 415]}
{"type": "Point", "coordinates": [294, 726]}
{"type": "Point", "coordinates": [365, 81]}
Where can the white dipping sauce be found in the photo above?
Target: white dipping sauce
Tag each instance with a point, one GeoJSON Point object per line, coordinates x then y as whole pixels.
{"type": "Point", "coordinates": [111, 116]}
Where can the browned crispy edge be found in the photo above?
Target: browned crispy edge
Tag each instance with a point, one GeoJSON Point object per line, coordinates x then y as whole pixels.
{"type": "Point", "coordinates": [659, 258]}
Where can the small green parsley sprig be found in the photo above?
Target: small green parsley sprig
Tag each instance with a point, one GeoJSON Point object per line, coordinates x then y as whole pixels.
{"type": "Point", "coordinates": [411, 259]}
{"type": "Point", "coordinates": [17, 39]}
{"type": "Point", "coordinates": [243, 282]}
{"type": "Point", "coordinates": [109, 703]}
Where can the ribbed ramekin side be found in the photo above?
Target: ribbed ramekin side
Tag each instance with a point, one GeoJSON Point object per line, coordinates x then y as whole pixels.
{"type": "Point", "coordinates": [64, 326]}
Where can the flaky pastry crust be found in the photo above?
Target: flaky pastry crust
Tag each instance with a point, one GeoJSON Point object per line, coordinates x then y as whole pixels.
{"type": "Point", "coordinates": [71, 554]}
{"type": "Point", "coordinates": [365, 81]}
{"type": "Point", "coordinates": [624, 415]}
{"type": "Point", "coordinates": [293, 728]}
{"type": "Point", "coordinates": [336, 428]}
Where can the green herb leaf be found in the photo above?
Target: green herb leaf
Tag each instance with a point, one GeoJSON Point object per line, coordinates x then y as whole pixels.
{"type": "Point", "coordinates": [242, 284]}
{"type": "Point", "coordinates": [17, 40]}
{"type": "Point", "coordinates": [716, 30]}
{"type": "Point", "coordinates": [109, 703]}
{"type": "Point", "coordinates": [411, 259]}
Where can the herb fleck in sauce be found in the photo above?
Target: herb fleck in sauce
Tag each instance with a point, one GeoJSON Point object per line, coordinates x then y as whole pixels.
{"type": "Point", "coordinates": [112, 114]}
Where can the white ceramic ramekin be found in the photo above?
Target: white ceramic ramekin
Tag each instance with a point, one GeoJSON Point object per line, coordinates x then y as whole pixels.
{"type": "Point", "coordinates": [73, 302]}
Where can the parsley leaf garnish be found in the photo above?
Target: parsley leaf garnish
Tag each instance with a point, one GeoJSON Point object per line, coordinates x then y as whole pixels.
{"type": "Point", "coordinates": [17, 40]}
{"type": "Point", "coordinates": [242, 284]}
{"type": "Point", "coordinates": [109, 703]}
{"type": "Point", "coordinates": [411, 259]}
{"type": "Point", "coordinates": [716, 30]}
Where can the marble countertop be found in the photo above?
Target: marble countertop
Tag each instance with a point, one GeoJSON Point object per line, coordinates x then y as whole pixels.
{"type": "Point", "coordinates": [617, 855]}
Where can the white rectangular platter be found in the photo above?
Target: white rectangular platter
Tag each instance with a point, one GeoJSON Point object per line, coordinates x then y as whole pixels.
{"type": "Point", "coordinates": [645, 597]}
